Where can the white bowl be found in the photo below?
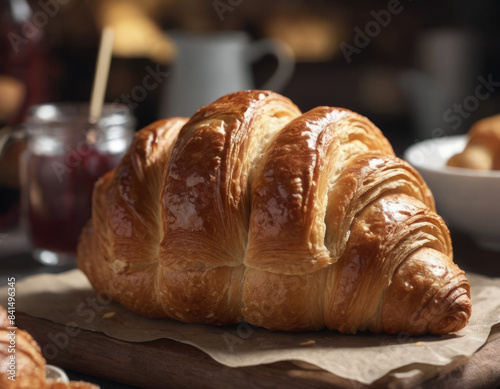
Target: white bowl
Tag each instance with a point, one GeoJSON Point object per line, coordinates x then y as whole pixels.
{"type": "Point", "coordinates": [468, 200]}
{"type": "Point", "coordinates": [55, 374]}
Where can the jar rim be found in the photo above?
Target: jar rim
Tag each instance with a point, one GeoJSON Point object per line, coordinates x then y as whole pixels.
{"type": "Point", "coordinates": [112, 113]}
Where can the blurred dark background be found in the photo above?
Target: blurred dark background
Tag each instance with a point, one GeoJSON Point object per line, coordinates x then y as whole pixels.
{"type": "Point", "coordinates": [412, 67]}
{"type": "Point", "coordinates": [419, 38]}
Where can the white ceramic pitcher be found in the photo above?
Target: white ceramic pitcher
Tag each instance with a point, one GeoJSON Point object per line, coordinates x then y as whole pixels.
{"type": "Point", "coordinates": [211, 65]}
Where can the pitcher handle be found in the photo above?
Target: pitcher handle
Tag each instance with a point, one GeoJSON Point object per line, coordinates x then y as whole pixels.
{"type": "Point", "coordinates": [283, 54]}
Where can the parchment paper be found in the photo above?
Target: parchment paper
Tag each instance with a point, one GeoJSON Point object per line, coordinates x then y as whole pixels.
{"type": "Point", "coordinates": [67, 298]}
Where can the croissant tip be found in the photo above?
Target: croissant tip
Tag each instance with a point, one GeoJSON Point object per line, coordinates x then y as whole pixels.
{"type": "Point", "coordinates": [454, 319]}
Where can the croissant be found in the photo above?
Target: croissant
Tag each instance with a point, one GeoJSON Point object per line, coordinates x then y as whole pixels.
{"type": "Point", "coordinates": [28, 369]}
{"type": "Point", "coordinates": [483, 149]}
{"type": "Point", "coordinates": [250, 211]}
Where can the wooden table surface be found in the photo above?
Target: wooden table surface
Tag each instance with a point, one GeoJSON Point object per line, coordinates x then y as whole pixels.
{"type": "Point", "coordinates": [166, 363]}
{"type": "Point", "coordinates": [95, 357]}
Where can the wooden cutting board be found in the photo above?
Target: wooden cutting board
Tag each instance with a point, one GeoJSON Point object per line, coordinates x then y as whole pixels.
{"type": "Point", "coordinates": [166, 363]}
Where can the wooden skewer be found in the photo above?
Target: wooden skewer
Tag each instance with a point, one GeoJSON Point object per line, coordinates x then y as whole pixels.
{"type": "Point", "coordinates": [101, 75]}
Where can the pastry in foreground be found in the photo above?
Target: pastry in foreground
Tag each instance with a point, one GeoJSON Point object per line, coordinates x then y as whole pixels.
{"type": "Point", "coordinates": [251, 211]}
{"type": "Point", "coordinates": [28, 369]}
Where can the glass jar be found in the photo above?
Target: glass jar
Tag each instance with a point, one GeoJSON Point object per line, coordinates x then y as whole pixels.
{"type": "Point", "coordinates": [63, 159]}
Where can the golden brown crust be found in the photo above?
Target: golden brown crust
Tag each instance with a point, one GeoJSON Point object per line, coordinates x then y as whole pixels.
{"type": "Point", "coordinates": [206, 203]}
{"type": "Point", "coordinates": [285, 221]}
{"type": "Point", "coordinates": [426, 288]}
{"type": "Point", "coordinates": [126, 216]}
{"type": "Point", "coordinates": [205, 196]}
{"type": "Point", "coordinates": [483, 149]}
{"type": "Point", "coordinates": [385, 234]}
{"type": "Point", "coordinates": [291, 186]}
{"type": "Point", "coordinates": [367, 177]}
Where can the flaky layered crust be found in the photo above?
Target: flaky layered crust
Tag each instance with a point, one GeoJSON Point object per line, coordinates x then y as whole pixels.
{"type": "Point", "coordinates": [252, 211]}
